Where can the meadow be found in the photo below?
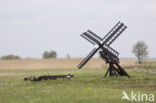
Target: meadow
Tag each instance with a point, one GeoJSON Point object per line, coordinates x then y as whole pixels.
{"type": "Point", "coordinates": [87, 86]}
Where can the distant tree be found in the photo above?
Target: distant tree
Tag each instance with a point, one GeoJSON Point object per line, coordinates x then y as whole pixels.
{"type": "Point", "coordinates": [140, 51]}
{"type": "Point", "coordinates": [51, 54]}
{"type": "Point", "coordinates": [45, 55]}
{"type": "Point", "coordinates": [10, 57]}
{"type": "Point", "coordinates": [68, 56]}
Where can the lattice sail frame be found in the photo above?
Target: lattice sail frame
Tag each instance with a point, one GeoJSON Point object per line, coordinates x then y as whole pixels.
{"type": "Point", "coordinates": [106, 52]}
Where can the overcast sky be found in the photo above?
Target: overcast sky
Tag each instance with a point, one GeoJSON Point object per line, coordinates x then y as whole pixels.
{"type": "Point", "coordinates": [29, 27]}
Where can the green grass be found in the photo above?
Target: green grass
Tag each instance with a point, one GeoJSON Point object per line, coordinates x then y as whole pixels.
{"type": "Point", "coordinates": [88, 86]}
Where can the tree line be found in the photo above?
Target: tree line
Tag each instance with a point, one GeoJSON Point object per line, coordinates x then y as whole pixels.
{"type": "Point", "coordinates": [139, 50]}
{"type": "Point", "coordinates": [45, 55]}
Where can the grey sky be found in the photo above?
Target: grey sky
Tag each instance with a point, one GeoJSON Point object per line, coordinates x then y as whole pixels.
{"type": "Point", "coordinates": [29, 27]}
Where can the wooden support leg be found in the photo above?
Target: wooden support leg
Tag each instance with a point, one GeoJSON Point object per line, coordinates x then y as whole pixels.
{"type": "Point", "coordinates": [111, 70]}
{"type": "Point", "coordinates": [106, 72]}
{"type": "Point", "coordinates": [122, 72]}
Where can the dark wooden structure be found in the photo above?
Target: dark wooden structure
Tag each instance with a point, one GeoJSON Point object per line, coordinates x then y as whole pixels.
{"type": "Point", "coordinates": [49, 77]}
{"type": "Point", "coordinates": [108, 54]}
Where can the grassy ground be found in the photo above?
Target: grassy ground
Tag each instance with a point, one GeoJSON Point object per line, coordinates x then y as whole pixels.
{"type": "Point", "coordinates": [88, 86]}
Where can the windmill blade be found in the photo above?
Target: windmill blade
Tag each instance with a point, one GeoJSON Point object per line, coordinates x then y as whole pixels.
{"type": "Point", "coordinates": [114, 52]}
{"type": "Point", "coordinates": [94, 35]}
{"type": "Point", "coordinates": [106, 36]}
{"type": "Point", "coordinates": [113, 33]}
{"type": "Point", "coordinates": [114, 38]}
{"type": "Point", "coordinates": [91, 41]}
{"type": "Point", "coordinates": [89, 56]}
{"type": "Point", "coordinates": [91, 37]}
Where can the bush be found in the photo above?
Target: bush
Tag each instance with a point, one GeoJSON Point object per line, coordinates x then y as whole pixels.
{"type": "Point", "coordinates": [10, 57]}
{"type": "Point", "coordinates": [51, 54]}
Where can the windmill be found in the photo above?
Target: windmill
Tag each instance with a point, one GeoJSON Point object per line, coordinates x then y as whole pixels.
{"type": "Point", "coordinates": [108, 54]}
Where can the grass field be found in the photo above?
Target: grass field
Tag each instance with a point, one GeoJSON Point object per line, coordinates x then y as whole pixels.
{"type": "Point", "coordinates": [88, 86]}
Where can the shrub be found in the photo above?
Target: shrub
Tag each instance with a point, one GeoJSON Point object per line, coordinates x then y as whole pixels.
{"type": "Point", "coordinates": [51, 54]}
{"type": "Point", "coordinates": [10, 57]}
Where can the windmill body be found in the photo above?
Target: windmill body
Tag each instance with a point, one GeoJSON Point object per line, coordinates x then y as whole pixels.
{"type": "Point", "coordinates": [108, 54]}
